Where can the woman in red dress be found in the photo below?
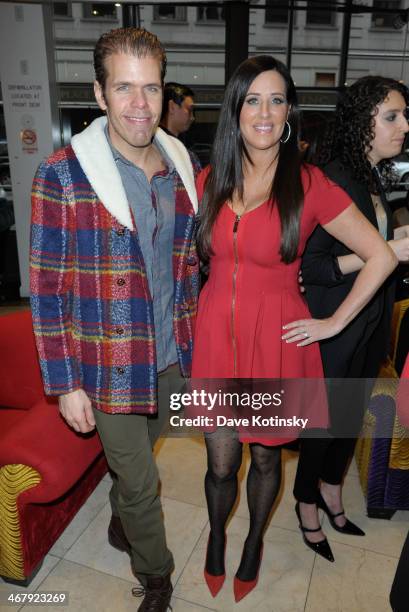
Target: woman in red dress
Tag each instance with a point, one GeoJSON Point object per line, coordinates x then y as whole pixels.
{"type": "Point", "coordinates": [259, 206]}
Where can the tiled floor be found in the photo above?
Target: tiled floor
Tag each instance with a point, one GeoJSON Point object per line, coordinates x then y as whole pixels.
{"type": "Point", "coordinates": [292, 578]}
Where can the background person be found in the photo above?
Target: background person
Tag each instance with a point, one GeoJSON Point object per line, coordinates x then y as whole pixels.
{"type": "Point", "coordinates": [370, 127]}
{"type": "Point", "coordinates": [178, 109]}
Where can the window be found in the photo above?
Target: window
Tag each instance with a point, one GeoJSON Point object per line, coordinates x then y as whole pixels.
{"type": "Point", "coordinates": [210, 13]}
{"type": "Point", "coordinates": [62, 9]}
{"type": "Point", "coordinates": [318, 15]}
{"type": "Point", "coordinates": [99, 10]}
{"type": "Point", "coordinates": [168, 12]}
{"type": "Point", "coordinates": [275, 15]}
{"type": "Point", "coordinates": [385, 20]}
{"type": "Point", "coordinates": [324, 79]}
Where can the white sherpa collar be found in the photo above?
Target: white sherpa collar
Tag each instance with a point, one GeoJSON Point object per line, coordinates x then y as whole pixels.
{"type": "Point", "coordinates": [95, 157]}
{"type": "Point", "coordinates": [177, 152]}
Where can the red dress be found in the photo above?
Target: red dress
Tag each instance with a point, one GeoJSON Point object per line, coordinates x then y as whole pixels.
{"type": "Point", "coordinates": [251, 293]}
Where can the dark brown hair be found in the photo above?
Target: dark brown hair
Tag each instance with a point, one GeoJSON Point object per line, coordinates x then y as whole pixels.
{"type": "Point", "coordinates": [133, 41]}
{"type": "Point", "coordinates": [177, 93]}
{"type": "Point", "coordinates": [229, 150]}
{"type": "Point", "coordinates": [350, 136]}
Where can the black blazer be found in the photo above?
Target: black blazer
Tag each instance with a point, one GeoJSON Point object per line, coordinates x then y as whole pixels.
{"type": "Point", "coordinates": [359, 349]}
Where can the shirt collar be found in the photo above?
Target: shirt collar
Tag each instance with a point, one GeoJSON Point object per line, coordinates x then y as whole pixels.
{"type": "Point", "coordinates": [170, 166]}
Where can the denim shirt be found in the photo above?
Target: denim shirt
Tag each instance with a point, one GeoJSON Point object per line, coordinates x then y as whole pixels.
{"type": "Point", "coordinates": [153, 208]}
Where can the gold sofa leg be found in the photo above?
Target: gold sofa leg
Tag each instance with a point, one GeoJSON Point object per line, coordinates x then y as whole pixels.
{"type": "Point", "coordinates": [14, 479]}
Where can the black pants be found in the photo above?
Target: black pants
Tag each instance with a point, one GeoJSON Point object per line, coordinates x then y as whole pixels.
{"type": "Point", "coordinates": [321, 459]}
{"type": "Point", "coordinates": [324, 455]}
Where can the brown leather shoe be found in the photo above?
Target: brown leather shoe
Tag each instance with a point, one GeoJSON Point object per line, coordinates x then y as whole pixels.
{"type": "Point", "coordinates": [117, 537]}
{"type": "Point", "coordinates": [156, 594]}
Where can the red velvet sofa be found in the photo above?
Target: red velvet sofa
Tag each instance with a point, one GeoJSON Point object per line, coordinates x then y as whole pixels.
{"type": "Point", "coordinates": [47, 471]}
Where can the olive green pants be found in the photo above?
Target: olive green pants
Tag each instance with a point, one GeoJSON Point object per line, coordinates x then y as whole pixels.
{"type": "Point", "coordinates": [128, 441]}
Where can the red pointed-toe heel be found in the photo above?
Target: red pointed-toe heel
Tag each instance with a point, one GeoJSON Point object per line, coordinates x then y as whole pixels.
{"type": "Point", "coordinates": [241, 588]}
{"type": "Point", "coordinates": [213, 582]}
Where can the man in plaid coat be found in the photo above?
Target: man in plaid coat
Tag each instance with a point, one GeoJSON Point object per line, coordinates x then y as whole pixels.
{"type": "Point", "coordinates": [114, 283]}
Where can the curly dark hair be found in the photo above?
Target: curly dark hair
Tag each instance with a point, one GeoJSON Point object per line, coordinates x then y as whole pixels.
{"type": "Point", "coordinates": [349, 137]}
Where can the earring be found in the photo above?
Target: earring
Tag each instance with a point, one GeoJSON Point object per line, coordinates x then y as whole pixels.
{"type": "Point", "coordinates": [288, 135]}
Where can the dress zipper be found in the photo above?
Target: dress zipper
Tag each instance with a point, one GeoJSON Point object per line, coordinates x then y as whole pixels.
{"type": "Point", "coordinates": [233, 304]}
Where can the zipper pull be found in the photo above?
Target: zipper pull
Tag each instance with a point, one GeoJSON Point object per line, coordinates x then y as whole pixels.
{"type": "Point", "coordinates": [236, 224]}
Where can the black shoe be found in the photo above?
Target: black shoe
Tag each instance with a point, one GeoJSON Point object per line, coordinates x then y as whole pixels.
{"type": "Point", "coordinates": [322, 547]}
{"type": "Point", "coordinates": [349, 528]}
{"type": "Point", "coordinates": [118, 539]}
{"type": "Point", "coordinates": [156, 594]}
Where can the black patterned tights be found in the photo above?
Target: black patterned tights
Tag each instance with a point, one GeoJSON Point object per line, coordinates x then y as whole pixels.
{"type": "Point", "coordinates": [263, 483]}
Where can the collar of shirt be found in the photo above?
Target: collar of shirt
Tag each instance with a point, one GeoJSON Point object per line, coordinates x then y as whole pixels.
{"type": "Point", "coordinates": [170, 166]}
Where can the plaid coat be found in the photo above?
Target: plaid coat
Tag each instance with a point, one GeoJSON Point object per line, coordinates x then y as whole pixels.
{"type": "Point", "coordinates": [91, 304]}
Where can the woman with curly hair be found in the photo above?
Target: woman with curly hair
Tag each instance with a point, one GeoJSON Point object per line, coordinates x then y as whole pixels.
{"type": "Point", "coordinates": [370, 127]}
{"type": "Point", "coordinates": [259, 205]}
